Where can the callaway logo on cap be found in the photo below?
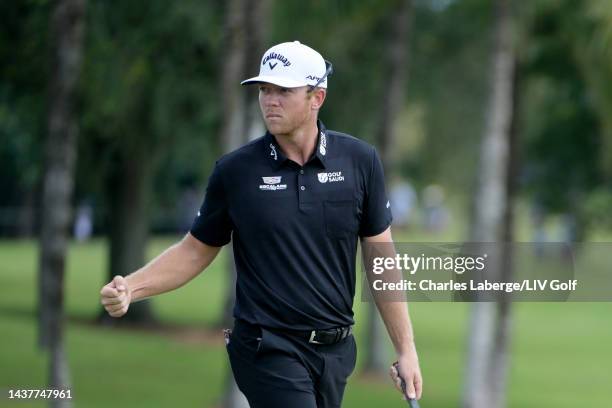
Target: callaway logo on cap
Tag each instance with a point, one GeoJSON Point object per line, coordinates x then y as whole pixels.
{"type": "Point", "coordinates": [291, 65]}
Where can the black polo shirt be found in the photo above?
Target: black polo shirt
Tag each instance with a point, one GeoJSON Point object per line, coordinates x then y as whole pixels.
{"type": "Point", "coordinates": [294, 228]}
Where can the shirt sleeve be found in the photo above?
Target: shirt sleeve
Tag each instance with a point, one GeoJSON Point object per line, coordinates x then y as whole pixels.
{"type": "Point", "coordinates": [212, 224]}
{"type": "Point", "coordinates": [376, 216]}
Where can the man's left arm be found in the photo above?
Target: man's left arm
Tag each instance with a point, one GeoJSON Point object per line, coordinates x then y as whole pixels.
{"type": "Point", "coordinates": [397, 321]}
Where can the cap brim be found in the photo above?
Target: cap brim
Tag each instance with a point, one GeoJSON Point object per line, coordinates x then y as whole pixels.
{"type": "Point", "coordinates": [284, 82]}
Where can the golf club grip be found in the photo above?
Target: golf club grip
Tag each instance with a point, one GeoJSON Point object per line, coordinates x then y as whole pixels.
{"type": "Point", "coordinates": [413, 402]}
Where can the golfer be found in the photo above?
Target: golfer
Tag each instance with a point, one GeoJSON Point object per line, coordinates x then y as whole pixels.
{"type": "Point", "coordinates": [294, 203]}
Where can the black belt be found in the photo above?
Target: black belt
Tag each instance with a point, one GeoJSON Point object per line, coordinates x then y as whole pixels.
{"type": "Point", "coordinates": [323, 336]}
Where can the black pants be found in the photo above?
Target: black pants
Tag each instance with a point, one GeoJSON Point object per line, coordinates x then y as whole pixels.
{"type": "Point", "coordinates": [277, 370]}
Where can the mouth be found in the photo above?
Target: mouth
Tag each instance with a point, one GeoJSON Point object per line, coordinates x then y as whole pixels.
{"type": "Point", "coordinates": [273, 116]}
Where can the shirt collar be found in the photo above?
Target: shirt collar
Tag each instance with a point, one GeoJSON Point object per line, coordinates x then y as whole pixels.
{"type": "Point", "coordinates": [277, 158]}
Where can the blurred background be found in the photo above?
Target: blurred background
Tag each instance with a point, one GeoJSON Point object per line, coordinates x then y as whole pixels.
{"type": "Point", "coordinates": [493, 119]}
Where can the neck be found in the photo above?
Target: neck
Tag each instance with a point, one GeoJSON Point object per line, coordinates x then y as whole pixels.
{"type": "Point", "coordinates": [300, 144]}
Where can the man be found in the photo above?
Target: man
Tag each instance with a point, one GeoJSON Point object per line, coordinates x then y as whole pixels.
{"type": "Point", "coordinates": [293, 203]}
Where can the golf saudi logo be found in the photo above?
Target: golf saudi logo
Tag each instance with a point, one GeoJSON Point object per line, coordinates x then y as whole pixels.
{"type": "Point", "coordinates": [272, 183]}
{"type": "Point", "coordinates": [331, 177]}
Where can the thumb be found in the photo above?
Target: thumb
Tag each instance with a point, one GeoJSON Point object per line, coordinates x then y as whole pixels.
{"type": "Point", "coordinates": [120, 283]}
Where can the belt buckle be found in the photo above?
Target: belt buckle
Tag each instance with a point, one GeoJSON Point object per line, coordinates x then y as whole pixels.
{"type": "Point", "coordinates": [312, 338]}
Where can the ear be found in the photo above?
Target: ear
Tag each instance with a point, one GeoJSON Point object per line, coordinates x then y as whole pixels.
{"type": "Point", "coordinates": [318, 97]}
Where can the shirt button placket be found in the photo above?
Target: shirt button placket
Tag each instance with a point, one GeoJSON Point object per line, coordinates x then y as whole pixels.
{"type": "Point", "coordinates": [302, 188]}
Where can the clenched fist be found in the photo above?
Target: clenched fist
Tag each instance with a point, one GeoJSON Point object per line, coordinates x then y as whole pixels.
{"type": "Point", "coordinates": [116, 297]}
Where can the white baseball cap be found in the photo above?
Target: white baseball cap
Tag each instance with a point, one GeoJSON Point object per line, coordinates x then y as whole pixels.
{"type": "Point", "coordinates": [291, 65]}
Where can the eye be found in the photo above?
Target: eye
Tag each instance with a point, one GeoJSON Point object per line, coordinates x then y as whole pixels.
{"type": "Point", "coordinates": [286, 90]}
{"type": "Point", "coordinates": [263, 89]}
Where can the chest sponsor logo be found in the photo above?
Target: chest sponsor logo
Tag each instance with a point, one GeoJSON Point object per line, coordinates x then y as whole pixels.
{"type": "Point", "coordinates": [272, 180]}
{"type": "Point", "coordinates": [272, 184]}
{"type": "Point", "coordinates": [331, 177]}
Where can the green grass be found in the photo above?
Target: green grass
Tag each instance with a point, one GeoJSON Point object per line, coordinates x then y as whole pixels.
{"type": "Point", "coordinates": [560, 354]}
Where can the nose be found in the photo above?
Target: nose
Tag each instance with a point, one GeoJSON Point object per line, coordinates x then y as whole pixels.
{"type": "Point", "coordinates": [268, 99]}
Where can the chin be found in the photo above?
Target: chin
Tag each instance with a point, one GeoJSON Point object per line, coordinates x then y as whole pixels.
{"type": "Point", "coordinates": [276, 128]}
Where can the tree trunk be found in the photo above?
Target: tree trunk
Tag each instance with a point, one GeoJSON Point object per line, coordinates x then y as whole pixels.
{"type": "Point", "coordinates": [129, 189]}
{"type": "Point", "coordinates": [394, 93]}
{"type": "Point", "coordinates": [244, 26]}
{"type": "Point", "coordinates": [232, 100]}
{"type": "Point", "coordinates": [491, 203]}
{"type": "Point", "coordinates": [59, 373]}
{"type": "Point", "coordinates": [257, 27]}
{"type": "Point", "coordinates": [376, 359]}
{"type": "Point", "coordinates": [503, 329]}
{"type": "Point", "coordinates": [245, 32]}
{"type": "Point", "coordinates": [392, 101]}
{"type": "Point", "coordinates": [66, 27]}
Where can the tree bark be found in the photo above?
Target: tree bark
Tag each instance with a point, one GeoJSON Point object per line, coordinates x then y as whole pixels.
{"type": "Point", "coordinates": [392, 101]}
{"type": "Point", "coordinates": [232, 100]}
{"type": "Point", "coordinates": [376, 360]}
{"type": "Point", "coordinates": [394, 94]}
{"type": "Point", "coordinates": [257, 28]}
{"type": "Point", "coordinates": [245, 32]}
{"type": "Point", "coordinates": [59, 373]}
{"type": "Point", "coordinates": [66, 28]}
{"type": "Point", "coordinates": [491, 204]}
{"type": "Point", "coordinates": [503, 329]}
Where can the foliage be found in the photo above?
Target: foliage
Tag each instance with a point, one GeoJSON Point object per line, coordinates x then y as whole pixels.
{"type": "Point", "coordinates": [564, 103]}
{"type": "Point", "coordinates": [23, 77]}
{"type": "Point", "coordinates": [150, 83]}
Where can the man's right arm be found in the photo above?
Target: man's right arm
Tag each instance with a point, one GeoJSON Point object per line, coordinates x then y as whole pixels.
{"type": "Point", "coordinates": [170, 270]}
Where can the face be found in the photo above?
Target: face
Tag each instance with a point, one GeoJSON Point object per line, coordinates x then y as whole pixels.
{"type": "Point", "coordinates": [285, 110]}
